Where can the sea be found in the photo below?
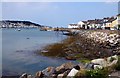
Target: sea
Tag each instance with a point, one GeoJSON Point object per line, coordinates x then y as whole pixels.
{"type": "Point", "coordinates": [19, 50]}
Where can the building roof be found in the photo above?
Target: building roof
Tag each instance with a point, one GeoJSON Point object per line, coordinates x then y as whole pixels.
{"type": "Point", "coordinates": [73, 24]}
{"type": "Point", "coordinates": [84, 21]}
{"type": "Point", "coordinates": [110, 19]}
{"type": "Point", "coordinates": [99, 21]}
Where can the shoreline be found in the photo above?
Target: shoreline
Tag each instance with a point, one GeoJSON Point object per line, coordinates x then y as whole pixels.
{"type": "Point", "coordinates": [69, 70]}
{"type": "Point", "coordinates": [97, 48]}
{"type": "Point", "coordinates": [72, 46]}
{"type": "Point", "coordinates": [86, 44]}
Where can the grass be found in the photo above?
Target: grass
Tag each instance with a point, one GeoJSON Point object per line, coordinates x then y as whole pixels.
{"type": "Point", "coordinates": [57, 49]}
{"type": "Point", "coordinates": [54, 50]}
{"type": "Point", "coordinates": [84, 61]}
{"type": "Point", "coordinates": [97, 73]}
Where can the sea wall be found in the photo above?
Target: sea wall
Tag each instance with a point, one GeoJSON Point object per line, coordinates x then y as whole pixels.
{"type": "Point", "coordinates": [93, 44]}
{"type": "Point", "coordinates": [88, 44]}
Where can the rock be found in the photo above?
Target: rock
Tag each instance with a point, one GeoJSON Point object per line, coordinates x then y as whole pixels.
{"type": "Point", "coordinates": [100, 61]}
{"type": "Point", "coordinates": [70, 58]}
{"type": "Point", "coordinates": [115, 57]}
{"type": "Point", "coordinates": [66, 73]}
{"type": "Point", "coordinates": [24, 75]}
{"type": "Point", "coordinates": [64, 67]}
{"type": "Point", "coordinates": [112, 60]}
{"type": "Point", "coordinates": [39, 74]}
{"type": "Point", "coordinates": [63, 75]}
{"type": "Point", "coordinates": [73, 72]}
{"type": "Point", "coordinates": [29, 76]}
{"type": "Point", "coordinates": [60, 76]}
{"type": "Point", "coordinates": [49, 71]}
{"type": "Point", "coordinates": [54, 75]}
{"type": "Point", "coordinates": [89, 66]}
{"type": "Point", "coordinates": [115, 74]}
{"type": "Point", "coordinates": [106, 62]}
{"type": "Point", "coordinates": [98, 66]}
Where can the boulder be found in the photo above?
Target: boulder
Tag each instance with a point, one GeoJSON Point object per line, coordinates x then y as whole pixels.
{"type": "Point", "coordinates": [64, 67]}
{"type": "Point", "coordinates": [54, 75]}
{"type": "Point", "coordinates": [100, 61]}
{"type": "Point", "coordinates": [24, 75]}
{"type": "Point", "coordinates": [29, 76]}
{"type": "Point", "coordinates": [49, 71]}
{"type": "Point", "coordinates": [112, 60]}
{"type": "Point", "coordinates": [63, 75]}
{"type": "Point", "coordinates": [98, 66]}
{"type": "Point", "coordinates": [106, 62]}
{"type": "Point", "coordinates": [60, 76]}
{"type": "Point", "coordinates": [72, 73]}
{"type": "Point", "coordinates": [115, 57]}
{"type": "Point", "coordinates": [89, 66]}
{"type": "Point", "coordinates": [39, 74]}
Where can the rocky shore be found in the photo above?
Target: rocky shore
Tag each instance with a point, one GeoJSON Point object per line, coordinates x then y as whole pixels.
{"type": "Point", "coordinates": [90, 44]}
{"type": "Point", "coordinates": [101, 68]}
{"type": "Point", "coordinates": [102, 48]}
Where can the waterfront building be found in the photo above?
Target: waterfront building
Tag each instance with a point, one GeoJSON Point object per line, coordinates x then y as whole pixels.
{"type": "Point", "coordinates": [110, 23]}
{"type": "Point", "coordinates": [118, 21]}
{"type": "Point", "coordinates": [73, 26]}
{"type": "Point", "coordinates": [82, 25]}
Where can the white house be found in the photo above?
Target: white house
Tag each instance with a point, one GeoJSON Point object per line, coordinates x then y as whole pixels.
{"type": "Point", "coordinates": [118, 18]}
{"type": "Point", "coordinates": [83, 24]}
{"type": "Point", "coordinates": [73, 26]}
{"type": "Point", "coordinates": [118, 21]}
{"type": "Point", "coordinates": [91, 24]}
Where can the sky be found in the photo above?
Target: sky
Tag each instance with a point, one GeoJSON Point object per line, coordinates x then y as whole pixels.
{"type": "Point", "coordinates": [57, 14]}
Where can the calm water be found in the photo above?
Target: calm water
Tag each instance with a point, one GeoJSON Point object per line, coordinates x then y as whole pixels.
{"type": "Point", "coordinates": [18, 51]}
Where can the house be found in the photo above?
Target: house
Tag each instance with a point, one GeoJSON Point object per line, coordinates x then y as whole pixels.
{"type": "Point", "coordinates": [118, 21]}
{"type": "Point", "coordinates": [109, 23]}
{"type": "Point", "coordinates": [104, 20]}
{"type": "Point", "coordinates": [83, 25]}
{"type": "Point", "coordinates": [91, 24]}
{"type": "Point", "coordinates": [115, 24]}
{"type": "Point", "coordinates": [73, 26]}
{"type": "Point", "coordinates": [98, 23]}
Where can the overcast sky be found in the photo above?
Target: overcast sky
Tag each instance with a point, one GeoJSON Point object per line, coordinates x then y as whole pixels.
{"type": "Point", "coordinates": [57, 13]}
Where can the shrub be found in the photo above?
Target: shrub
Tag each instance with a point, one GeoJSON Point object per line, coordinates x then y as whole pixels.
{"type": "Point", "coordinates": [117, 66]}
{"type": "Point", "coordinates": [97, 73]}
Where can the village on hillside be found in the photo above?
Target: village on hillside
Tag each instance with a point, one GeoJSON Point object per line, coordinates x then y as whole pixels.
{"type": "Point", "coordinates": [111, 23]}
{"type": "Point", "coordinates": [17, 24]}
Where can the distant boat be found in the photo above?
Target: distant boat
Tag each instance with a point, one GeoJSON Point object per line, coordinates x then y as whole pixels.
{"type": "Point", "coordinates": [19, 29]}
{"type": "Point", "coordinates": [69, 33]}
{"type": "Point", "coordinates": [49, 30]}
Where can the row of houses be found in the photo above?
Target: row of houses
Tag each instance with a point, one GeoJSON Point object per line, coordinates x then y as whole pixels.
{"type": "Point", "coordinates": [112, 23]}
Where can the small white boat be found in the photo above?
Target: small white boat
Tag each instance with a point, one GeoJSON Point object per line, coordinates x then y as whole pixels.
{"type": "Point", "coordinates": [49, 30]}
{"type": "Point", "coordinates": [19, 29]}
